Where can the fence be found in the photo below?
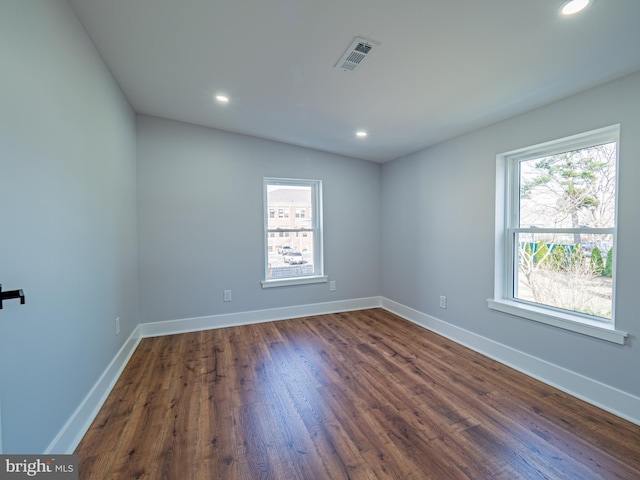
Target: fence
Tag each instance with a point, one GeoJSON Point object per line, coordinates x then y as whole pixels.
{"type": "Point", "coordinates": [290, 271]}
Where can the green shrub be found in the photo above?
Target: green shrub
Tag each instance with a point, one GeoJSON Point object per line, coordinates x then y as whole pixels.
{"type": "Point", "coordinates": [608, 268]}
{"type": "Point", "coordinates": [577, 258]}
{"type": "Point", "coordinates": [528, 250]}
{"type": "Point", "coordinates": [559, 258]}
{"type": "Point", "coordinates": [542, 253]}
{"type": "Point", "coordinates": [597, 263]}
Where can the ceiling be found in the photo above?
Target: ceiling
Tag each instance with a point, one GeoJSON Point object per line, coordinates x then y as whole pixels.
{"type": "Point", "coordinates": [443, 67]}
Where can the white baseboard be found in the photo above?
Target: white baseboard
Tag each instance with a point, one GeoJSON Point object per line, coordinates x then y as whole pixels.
{"type": "Point", "coordinates": [69, 437]}
{"type": "Point", "coordinates": [185, 325]}
{"type": "Point", "coordinates": [621, 404]}
{"type": "Point", "coordinates": [606, 397]}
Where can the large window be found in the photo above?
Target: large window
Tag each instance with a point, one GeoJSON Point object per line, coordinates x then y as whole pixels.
{"type": "Point", "coordinates": [293, 237]}
{"type": "Point", "coordinates": [555, 260]}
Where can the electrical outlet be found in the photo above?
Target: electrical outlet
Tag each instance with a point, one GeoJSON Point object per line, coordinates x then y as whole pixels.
{"type": "Point", "coordinates": [226, 295]}
{"type": "Point", "coordinates": [443, 301]}
{"type": "Point", "coordinates": [117, 325]}
{"type": "Point", "coordinates": [332, 286]}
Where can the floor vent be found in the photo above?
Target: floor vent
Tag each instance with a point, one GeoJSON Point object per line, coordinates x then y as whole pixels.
{"type": "Point", "coordinates": [357, 52]}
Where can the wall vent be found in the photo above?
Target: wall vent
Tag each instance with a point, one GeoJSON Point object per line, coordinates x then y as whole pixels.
{"type": "Point", "coordinates": [357, 52]}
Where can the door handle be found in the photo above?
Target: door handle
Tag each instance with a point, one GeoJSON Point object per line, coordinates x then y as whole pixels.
{"type": "Point", "coordinates": [9, 294]}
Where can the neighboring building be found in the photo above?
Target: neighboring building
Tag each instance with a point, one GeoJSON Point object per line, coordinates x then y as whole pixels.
{"type": "Point", "coordinates": [290, 210]}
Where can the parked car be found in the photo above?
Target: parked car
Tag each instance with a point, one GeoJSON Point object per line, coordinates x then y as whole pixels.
{"type": "Point", "coordinates": [293, 257]}
{"type": "Point", "coordinates": [587, 247]}
{"type": "Point", "coordinates": [284, 249]}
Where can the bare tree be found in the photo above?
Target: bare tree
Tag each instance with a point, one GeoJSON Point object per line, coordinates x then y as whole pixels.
{"type": "Point", "coordinates": [563, 279]}
{"type": "Point", "coordinates": [570, 189]}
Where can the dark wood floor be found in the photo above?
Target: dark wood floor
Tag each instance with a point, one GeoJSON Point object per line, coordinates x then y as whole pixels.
{"type": "Point", "coordinates": [359, 395]}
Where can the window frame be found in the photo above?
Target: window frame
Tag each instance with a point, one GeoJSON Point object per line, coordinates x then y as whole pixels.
{"type": "Point", "coordinates": [316, 231]}
{"type": "Point", "coordinates": [507, 228]}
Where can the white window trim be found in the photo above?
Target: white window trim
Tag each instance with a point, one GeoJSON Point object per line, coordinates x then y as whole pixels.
{"type": "Point", "coordinates": [563, 320]}
{"type": "Point", "coordinates": [285, 282]}
{"type": "Point", "coordinates": [503, 300]}
{"type": "Point", "coordinates": [316, 232]}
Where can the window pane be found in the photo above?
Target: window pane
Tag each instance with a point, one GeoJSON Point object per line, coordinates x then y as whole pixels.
{"type": "Point", "coordinates": [289, 201]}
{"type": "Point", "coordinates": [557, 271]}
{"type": "Point", "coordinates": [294, 239]}
{"type": "Point", "coordinates": [291, 259]}
{"type": "Point", "coordinates": [569, 190]}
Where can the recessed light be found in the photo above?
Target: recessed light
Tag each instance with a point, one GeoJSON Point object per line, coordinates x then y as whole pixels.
{"type": "Point", "coordinates": [361, 134]}
{"type": "Point", "coordinates": [574, 6]}
{"type": "Point", "coordinates": [222, 99]}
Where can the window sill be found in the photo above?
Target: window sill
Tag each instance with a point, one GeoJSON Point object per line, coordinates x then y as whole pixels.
{"type": "Point", "coordinates": [566, 321]}
{"type": "Point", "coordinates": [286, 282]}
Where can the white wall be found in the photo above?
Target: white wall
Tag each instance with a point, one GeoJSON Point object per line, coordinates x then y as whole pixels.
{"type": "Point", "coordinates": [67, 219]}
{"type": "Point", "coordinates": [201, 221]}
{"type": "Point", "coordinates": [438, 208]}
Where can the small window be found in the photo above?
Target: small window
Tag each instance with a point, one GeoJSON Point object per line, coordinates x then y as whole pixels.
{"type": "Point", "coordinates": [293, 259]}
{"type": "Point", "coordinates": [556, 252]}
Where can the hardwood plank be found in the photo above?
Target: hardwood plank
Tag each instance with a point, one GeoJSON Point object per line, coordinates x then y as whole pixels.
{"type": "Point", "coordinates": [290, 433]}
{"type": "Point", "coordinates": [354, 395]}
{"type": "Point", "coordinates": [216, 435]}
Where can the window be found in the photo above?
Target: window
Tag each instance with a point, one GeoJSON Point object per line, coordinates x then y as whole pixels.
{"type": "Point", "coordinates": [293, 259]}
{"type": "Point", "coordinates": [556, 238]}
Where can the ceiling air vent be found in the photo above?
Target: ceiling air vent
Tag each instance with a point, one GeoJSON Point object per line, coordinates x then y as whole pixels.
{"type": "Point", "coordinates": [356, 54]}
